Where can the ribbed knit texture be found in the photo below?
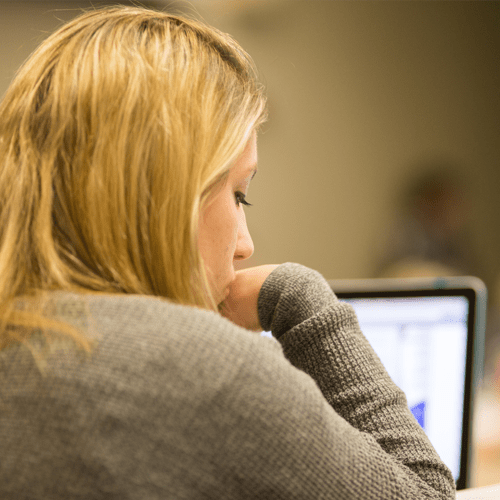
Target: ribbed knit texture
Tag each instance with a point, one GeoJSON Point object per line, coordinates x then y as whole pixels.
{"type": "Point", "coordinates": [179, 403]}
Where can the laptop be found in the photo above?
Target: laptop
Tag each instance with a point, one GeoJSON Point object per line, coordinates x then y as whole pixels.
{"type": "Point", "coordinates": [429, 334]}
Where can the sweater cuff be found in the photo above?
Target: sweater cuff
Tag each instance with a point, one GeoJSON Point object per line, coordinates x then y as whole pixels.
{"type": "Point", "coordinates": [291, 294]}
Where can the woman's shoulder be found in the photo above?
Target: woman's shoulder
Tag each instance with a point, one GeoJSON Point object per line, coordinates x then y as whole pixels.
{"type": "Point", "coordinates": [162, 380]}
{"type": "Point", "coordinates": [142, 334]}
{"type": "Point", "coordinates": [159, 320]}
{"type": "Point", "coordinates": [145, 351]}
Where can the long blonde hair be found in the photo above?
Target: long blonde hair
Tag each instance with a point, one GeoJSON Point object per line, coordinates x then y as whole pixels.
{"type": "Point", "coordinates": [112, 136]}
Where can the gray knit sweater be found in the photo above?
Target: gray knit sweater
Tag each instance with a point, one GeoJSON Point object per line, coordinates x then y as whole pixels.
{"type": "Point", "coordinates": [179, 403]}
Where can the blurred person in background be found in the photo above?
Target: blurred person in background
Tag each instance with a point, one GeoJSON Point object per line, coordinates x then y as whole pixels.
{"type": "Point", "coordinates": [431, 235]}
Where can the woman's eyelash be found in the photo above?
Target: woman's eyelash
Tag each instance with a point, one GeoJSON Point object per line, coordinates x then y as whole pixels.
{"type": "Point", "coordinates": [240, 198]}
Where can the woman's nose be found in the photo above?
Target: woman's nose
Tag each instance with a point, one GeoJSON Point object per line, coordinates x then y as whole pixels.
{"type": "Point", "coordinates": [244, 244]}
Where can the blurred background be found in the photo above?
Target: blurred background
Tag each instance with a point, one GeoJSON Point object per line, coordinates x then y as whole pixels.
{"type": "Point", "coordinates": [381, 155]}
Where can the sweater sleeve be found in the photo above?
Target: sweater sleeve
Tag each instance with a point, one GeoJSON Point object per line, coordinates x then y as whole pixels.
{"type": "Point", "coordinates": [320, 335]}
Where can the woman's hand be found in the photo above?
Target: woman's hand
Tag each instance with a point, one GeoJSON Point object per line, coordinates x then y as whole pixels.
{"type": "Point", "coordinates": [240, 306]}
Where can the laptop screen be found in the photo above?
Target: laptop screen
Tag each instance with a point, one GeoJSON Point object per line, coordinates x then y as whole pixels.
{"type": "Point", "coordinates": [422, 342]}
{"type": "Point", "coordinates": [429, 334]}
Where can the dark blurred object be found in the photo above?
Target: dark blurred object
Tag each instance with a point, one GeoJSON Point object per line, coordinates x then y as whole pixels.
{"type": "Point", "coordinates": [431, 236]}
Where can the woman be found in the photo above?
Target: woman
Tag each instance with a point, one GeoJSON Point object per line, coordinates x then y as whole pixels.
{"type": "Point", "coordinates": [127, 145]}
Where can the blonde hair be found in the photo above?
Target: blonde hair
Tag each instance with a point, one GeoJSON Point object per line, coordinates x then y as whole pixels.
{"type": "Point", "coordinates": [112, 136]}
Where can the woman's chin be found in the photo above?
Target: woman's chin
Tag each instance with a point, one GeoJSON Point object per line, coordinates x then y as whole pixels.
{"type": "Point", "coordinates": [222, 296]}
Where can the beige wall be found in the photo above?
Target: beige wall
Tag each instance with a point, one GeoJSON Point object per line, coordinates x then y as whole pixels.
{"type": "Point", "coordinates": [359, 91]}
